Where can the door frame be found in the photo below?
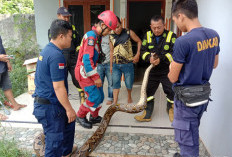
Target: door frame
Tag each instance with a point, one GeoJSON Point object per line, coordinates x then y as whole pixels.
{"type": "Point", "coordinates": [86, 8]}
{"type": "Point", "coordinates": [163, 4]}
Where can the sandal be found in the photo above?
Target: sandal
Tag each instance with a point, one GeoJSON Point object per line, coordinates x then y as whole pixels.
{"type": "Point", "coordinates": [6, 103]}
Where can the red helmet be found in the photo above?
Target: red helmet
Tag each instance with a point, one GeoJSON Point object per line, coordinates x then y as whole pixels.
{"type": "Point", "coordinates": [109, 19]}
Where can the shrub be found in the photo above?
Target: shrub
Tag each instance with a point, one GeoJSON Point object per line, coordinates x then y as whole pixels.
{"type": "Point", "coordinates": [23, 50]}
{"type": "Point", "coordinates": [16, 7]}
{"type": "Point", "coordinates": [10, 149]}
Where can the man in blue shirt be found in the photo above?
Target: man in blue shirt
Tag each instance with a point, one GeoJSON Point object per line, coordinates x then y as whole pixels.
{"type": "Point", "coordinates": [51, 106]}
{"type": "Point", "coordinates": [195, 56]}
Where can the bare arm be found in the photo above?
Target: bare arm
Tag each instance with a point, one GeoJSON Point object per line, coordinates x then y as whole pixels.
{"type": "Point", "coordinates": [216, 61]}
{"type": "Point", "coordinates": [139, 43]}
{"type": "Point", "coordinates": [62, 96]}
{"type": "Point", "coordinates": [111, 56]}
{"type": "Point", "coordinates": [174, 71]}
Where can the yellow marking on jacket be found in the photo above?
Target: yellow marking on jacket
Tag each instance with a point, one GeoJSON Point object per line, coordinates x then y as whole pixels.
{"type": "Point", "coordinates": [207, 44]}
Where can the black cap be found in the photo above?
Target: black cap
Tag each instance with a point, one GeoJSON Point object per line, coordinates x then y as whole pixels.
{"type": "Point", "coordinates": [63, 11]}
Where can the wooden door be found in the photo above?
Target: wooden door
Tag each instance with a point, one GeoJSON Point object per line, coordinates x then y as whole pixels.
{"type": "Point", "coordinates": [85, 12]}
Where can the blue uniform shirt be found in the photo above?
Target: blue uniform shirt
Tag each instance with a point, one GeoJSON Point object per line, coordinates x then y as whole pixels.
{"type": "Point", "coordinates": [3, 65]}
{"type": "Point", "coordinates": [196, 51]}
{"type": "Point", "coordinates": [50, 68]}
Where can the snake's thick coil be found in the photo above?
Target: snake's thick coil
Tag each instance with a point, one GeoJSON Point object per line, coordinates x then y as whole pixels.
{"type": "Point", "coordinates": [94, 140]}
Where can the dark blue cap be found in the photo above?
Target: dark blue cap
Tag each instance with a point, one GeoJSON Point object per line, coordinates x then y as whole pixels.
{"type": "Point", "coordinates": [63, 11]}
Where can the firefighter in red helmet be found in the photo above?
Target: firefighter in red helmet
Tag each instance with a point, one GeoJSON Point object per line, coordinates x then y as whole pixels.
{"type": "Point", "coordinates": [86, 68]}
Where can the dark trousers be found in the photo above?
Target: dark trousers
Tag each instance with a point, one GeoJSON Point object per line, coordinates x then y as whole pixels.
{"type": "Point", "coordinates": [186, 124]}
{"type": "Point", "coordinates": [152, 86]}
{"type": "Point", "coordinates": [71, 64]}
{"type": "Point", "coordinates": [59, 134]}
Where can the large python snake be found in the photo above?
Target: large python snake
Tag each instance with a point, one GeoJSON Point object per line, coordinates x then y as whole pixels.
{"type": "Point", "coordinates": [95, 139]}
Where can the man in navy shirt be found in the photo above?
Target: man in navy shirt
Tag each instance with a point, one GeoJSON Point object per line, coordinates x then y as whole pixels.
{"type": "Point", "coordinates": [51, 106]}
{"type": "Point", "coordinates": [195, 56]}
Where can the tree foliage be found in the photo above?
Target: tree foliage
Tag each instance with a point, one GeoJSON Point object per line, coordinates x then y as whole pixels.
{"type": "Point", "coordinates": [16, 7]}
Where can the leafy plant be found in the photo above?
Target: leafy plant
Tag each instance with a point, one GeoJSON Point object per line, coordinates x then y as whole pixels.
{"type": "Point", "coordinates": [10, 149]}
{"type": "Point", "coordinates": [22, 50]}
{"type": "Point", "coordinates": [16, 7]}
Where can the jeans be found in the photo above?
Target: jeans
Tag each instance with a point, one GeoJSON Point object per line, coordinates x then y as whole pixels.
{"type": "Point", "coordinates": [104, 70]}
{"type": "Point", "coordinates": [127, 70]}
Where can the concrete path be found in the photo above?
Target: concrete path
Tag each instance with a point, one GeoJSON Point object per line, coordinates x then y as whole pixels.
{"type": "Point", "coordinates": [124, 135]}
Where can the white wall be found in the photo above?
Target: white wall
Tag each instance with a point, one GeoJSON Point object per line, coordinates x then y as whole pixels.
{"type": "Point", "coordinates": [216, 124]}
{"type": "Point", "coordinates": [116, 7]}
{"type": "Point", "coordinates": [45, 13]}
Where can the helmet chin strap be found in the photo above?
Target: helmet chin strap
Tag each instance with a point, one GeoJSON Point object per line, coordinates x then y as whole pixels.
{"type": "Point", "coordinates": [103, 30]}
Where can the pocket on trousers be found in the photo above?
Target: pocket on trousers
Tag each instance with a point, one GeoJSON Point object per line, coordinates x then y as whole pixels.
{"type": "Point", "coordinates": [40, 115]}
{"type": "Point", "coordinates": [58, 113]}
{"type": "Point", "coordinates": [55, 139]}
{"type": "Point", "coordinates": [183, 132]}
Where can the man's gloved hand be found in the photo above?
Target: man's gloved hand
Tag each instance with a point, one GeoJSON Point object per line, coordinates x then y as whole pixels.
{"type": "Point", "coordinates": [154, 59]}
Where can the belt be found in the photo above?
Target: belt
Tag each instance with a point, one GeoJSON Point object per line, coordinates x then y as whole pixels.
{"type": "Point", "coordinates": [42, 100]}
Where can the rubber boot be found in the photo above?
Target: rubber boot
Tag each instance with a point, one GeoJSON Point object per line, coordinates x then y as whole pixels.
{"type": "Point", "coordinates": [95, 120]}
{"type": "Point", "coordinates": [94, 116]}
{"type": "Point", "coordinates": [146, 116]}
{"type": "Point", "coordinates": [82, 96]}
{"type": "Point", "coordinates": [81, 117]}
{"type": "Point", "coordinates": [170, 111]}
{"type": "Point", "coordinates": [84, 123]}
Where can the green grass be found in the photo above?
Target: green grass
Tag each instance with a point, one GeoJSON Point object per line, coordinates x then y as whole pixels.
{"type": "Point", "coordinates": [10, 149]}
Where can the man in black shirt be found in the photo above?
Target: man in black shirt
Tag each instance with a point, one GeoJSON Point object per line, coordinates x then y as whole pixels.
{"type": "Point", "coordinates": [71, 53]}
{"type": "Point", "coordinates": [160, 42]}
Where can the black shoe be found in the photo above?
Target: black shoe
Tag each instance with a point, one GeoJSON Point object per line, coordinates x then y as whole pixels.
{"type": "Point", "coordinates": [84, 122]}
{"type": "Point", "coordinates": [95, 120]}
{"type": "Point", "coordinates": [176, 155]}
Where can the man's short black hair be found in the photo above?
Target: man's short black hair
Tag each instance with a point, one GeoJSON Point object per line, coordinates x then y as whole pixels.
{"type": "Point", "coordinates": [59, 27]}
{"type": "Point", "coordinates": [157, 18]}
{"type": "Point", "coordinates": [187, 7]}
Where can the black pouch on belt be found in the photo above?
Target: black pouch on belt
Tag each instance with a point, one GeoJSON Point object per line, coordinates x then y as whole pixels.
{"type": "Point", "coordinates": [194, 95]}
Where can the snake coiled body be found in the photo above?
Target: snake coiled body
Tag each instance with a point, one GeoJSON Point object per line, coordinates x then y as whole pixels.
{"type": "Point", "coordinates": [95, 139]}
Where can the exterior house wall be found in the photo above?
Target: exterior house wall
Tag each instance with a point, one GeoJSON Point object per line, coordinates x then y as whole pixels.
{"type": "Point", "coordinates": [216, 126]}
{"type": "Point", "coordinates": [45, 13]}
{"type": "Point", "coordinates": [13, 27]}
{"type": "Point", "coordinates": [117, 7]}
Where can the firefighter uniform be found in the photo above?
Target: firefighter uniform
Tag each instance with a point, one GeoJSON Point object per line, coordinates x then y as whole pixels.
{"type": "Point", "coordinates": [163, 46]}
{"type": "Point", "coordinates": [71, 55]}
{"type": "Point", "coordinates": [86, 74]}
